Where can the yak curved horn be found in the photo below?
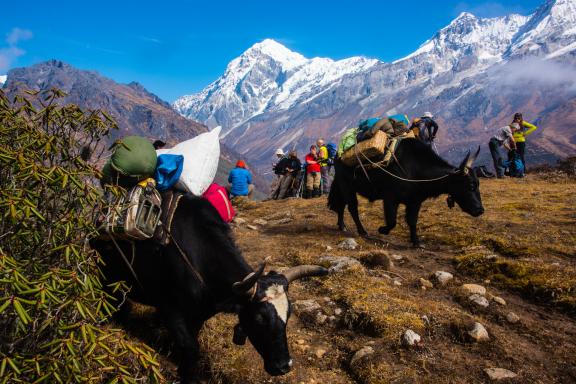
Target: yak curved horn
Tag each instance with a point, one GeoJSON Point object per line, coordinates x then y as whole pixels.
{"type": "Point", "coordinates": [246, 285]}
{"type": "Point", "coordinates": [471, 159]}
{"type": "Point", "coordinates": [301, 271]}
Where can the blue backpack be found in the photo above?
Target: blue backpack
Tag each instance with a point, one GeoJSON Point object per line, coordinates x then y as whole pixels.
{"type": "Point", "coordinates": [515, 166]}
{"type": "Point", "coordinates": [332, 150]}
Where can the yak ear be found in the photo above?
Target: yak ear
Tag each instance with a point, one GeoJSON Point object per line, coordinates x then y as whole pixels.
{"type": "Point", "coordinates": [248, 284]}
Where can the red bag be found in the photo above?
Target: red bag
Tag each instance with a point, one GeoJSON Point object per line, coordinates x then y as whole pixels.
{"type": "Point", "coordinates": [216, 194]}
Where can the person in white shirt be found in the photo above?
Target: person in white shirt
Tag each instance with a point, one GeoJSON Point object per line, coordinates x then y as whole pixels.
{"type": "Point", "coordinates": [503, 137]}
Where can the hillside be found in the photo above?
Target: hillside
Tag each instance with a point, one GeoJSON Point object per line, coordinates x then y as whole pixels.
{"type": "Point", "coordinates": [474, 74]}
{"type": "Point", "coordinates": [521, 251]}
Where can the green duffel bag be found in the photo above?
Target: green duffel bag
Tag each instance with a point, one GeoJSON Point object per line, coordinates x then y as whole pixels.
{"type": "Point", "coordinates": [134, 156]}
{"type": "Point", "coordinates": [133, 159]}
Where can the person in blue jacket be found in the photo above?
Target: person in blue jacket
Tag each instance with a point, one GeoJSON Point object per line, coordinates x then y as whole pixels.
{"type": "Point", "coordinates": [240, 180]}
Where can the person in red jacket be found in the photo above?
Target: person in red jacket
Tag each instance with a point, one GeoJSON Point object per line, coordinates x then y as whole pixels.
{"type": "Point", "coordinates": [312, 173]}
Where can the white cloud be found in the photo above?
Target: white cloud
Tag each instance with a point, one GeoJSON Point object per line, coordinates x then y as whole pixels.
{"type": "Point", "coordinates": [10, 52]}
{"type": "Point", "coordinates": [516, 75]}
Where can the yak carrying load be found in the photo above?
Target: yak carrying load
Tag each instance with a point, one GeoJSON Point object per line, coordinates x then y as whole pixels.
{"type": "Point", "coordinates": [152, 181]}
{"type": "Point", "coordinates": [375, 139]}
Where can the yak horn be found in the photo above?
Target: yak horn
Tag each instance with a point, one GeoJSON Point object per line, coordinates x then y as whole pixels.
{"type": "Point", "coordinates": [246, 285]}
{"type": "Point", "coordinates": [473, 158]}
{"type": "Point", "coordinates": [301, 271]}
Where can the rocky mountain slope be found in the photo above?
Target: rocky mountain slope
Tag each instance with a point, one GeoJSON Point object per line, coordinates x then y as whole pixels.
{"type": "Point", "coordinates": [473, 74]}
{"type": "Point", "coordinates": [136, 110]}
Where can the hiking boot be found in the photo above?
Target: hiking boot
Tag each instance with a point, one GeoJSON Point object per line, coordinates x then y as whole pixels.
{"type": "Point", "coordinates": [316, 192]}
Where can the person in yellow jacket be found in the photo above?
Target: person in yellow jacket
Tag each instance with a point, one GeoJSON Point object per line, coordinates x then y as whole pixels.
{"type": "Point", "coordinates": [324, 165]}
{"type": "Point", "coordinates": [520, 135]}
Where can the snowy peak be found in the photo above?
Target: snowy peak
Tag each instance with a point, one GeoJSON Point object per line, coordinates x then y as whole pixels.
{"type": "Point", "coordinates": [3, 80]}
{"type": "Point", "coordinates": [275, 51]}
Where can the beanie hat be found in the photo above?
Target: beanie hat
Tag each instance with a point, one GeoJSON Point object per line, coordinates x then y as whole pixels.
{"type": "Point", "coordinates": [240, 164]}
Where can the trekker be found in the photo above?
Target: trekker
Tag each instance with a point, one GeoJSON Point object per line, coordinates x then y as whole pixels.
{"type": "Point", "coordinates": [503, 137]}
{"type": "Point", "coordinates": [426, 128]}
{"type": "Point", "coordinates": [278, 169]}
{"type": "Point", "coordinates": [324, 161]}
{"type": "Point", "coordinates": [520, 135]}
{"type": "Point", "coordinates": [312, 173]}
{"type": "Point", "coordinates": [240, 180]}
{"type": "Point", "coordinates": [292, 169]}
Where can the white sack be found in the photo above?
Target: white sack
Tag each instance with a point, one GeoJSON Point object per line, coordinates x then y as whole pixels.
{"type": "Point", "coordinates": [201, 157]}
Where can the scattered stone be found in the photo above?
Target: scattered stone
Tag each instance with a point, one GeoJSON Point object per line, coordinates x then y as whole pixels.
{"type": "Point", "coordinates": [321, 318]}
{"type": "Point", "coordinates": [478, 333]}
{"type": "Point", "coordinates": [332, 319]}
{"type": "Point", "coordinates": [361, 353]}
{"type": "Point", "coordinates": [285, 220]}
{"type": "Point", "coordinates": [252, 227]}
{"type": "Point", "coordinates": [328, 248]}
{"type": "Point", "coordinates": [340, 263]}
{"type": "Point", "coordinates": [327, 299]}
{"type": "Point", "coordinates": [397, 257]}
{"type": "Point", "coordinates": [442, 277]}
{"type": "Point", "coordinates": [397, 283]}
{"type": "Point", "coordinates": [306, 306]}
{"type": "Point", "coordinates": [512, 318]}
{"type": "Point", "coordinates": [320, 353]}
{"type": "Point", "coordinates": [411, 338]}
{"type": "Point", "coordinates": [473, 288]}
{"type": "Point", "coordinates": [499, 300]}
{"type": "Point", "coordinates": [480, 301]}
{"type": "Point", "coordinates": [239, 221]}
{"type": "Point", "coordinates": [301, 341]}
{"type": "Point", "coordinates": [496, 374]}
{"type": "Point", "coordinates": [349, 244]}
{"type": "Point", "coordinates": [338, 311]}
{"type": "Point", "coordinates": [425, 319]}
{"type": "Point", "coordinates": [260, 222]}
{"type": "Point", "coordinates": [426, 283]}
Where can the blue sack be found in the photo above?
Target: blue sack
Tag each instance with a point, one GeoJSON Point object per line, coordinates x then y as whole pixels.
{"type": "Point", "coordinates": [401, 118]}
{"type": "Point", "coordinates": [168, 170]}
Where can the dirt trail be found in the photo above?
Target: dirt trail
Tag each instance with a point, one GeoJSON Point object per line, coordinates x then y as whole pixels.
{"type": "Point", "coordinates": [378, 304]}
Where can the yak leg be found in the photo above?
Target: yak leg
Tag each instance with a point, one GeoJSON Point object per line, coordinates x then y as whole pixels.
{"type": "Point", "coordinates": [390, 213]}
{"type": "Point", "coordinates": [353, 209]}
{"type": "Point", "coordinates": [341, 225]}
{"type": "Point", "coordinates": [186, 337]}
{"type": "Point", "coordinates": [412, 211]}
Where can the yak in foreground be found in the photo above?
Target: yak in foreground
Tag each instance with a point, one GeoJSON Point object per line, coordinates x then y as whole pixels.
{"type": "Point", "coordinates": [417, 173]}
{"type": "Point", "coordinates": [201, 273]}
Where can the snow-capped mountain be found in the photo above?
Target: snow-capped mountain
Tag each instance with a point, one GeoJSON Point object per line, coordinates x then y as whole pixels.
{"type": "Point", "coordinates": [266, 76]}
{"type": "Point", "coordinates": [2, 80]}
{"type": "Point", "coordinates": [474, 74]}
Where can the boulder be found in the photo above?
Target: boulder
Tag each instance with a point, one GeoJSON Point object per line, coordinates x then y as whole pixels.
{"type": "Point", "coordinates": [411, 338]}
{"type": "Point", "coordinates": [340, 263]}
{"type": "Point", "coordinates": [473, 288]}
{"type": "Point", "coordinates": [426, 283]}
{"type": "Point", "coordinates": [348, 244]}
{"type": "Point", "coordinates": [442, 277]}
{"type": "Point", "coordinates": [479, 300]}
{"type": "Point", "coordinates": [478, 333]}
{"type": "Point", "coordinates": [496, 374]}
{"type": "Point", "coordinates": [512, 318]}
{"type": "Point", "coordinates": [499, 300]}
{"type": "Point", "coordinates": [361, 353]}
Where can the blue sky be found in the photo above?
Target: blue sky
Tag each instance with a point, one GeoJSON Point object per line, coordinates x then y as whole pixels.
{"type": "Point", "coordinates": [179, 47]}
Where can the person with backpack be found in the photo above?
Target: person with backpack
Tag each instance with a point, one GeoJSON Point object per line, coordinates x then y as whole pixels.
{"type": "Point", "coordinates": [520, 136]}
{"type": "Point", "coordinates": [425, 128]}
{"type": "Point", "coordinates": [312, 173]}
{"type": "Point", "coordinates": [325, 166]}
{"type": "Point", "coordinates": [503, 137]}
{"type": "Point", "coordinates": [278, 170]}
{"type": "Point", "coordinates": [292, 170]}
{"type": "Point", "coordinates": [240, 180]}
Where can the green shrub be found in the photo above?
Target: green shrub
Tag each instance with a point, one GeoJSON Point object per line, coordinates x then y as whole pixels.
{"type": "Point", "coordinates": [53, 307]}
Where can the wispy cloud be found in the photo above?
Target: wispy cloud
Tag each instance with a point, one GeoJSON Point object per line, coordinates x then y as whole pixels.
{"type": "Point", "coordinates": [517, 75]}
{"type": "Point", "coordinates": [489, 9]}
{"type": "Point", "coordinates": [10, 51]}
{"type": "Point", "coordinates": [150, 39]}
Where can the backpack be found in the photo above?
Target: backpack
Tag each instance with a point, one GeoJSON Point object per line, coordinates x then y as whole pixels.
{"type": "Point", "coordinates": [217, 196]}
{"type": "Point", "coordinates": [332, 150]}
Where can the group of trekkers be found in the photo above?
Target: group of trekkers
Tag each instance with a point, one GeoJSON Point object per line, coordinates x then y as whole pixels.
{"type": "Point", "coordinates": [513, 138]}
{"type": "Point", "coordinates": [310, 179]}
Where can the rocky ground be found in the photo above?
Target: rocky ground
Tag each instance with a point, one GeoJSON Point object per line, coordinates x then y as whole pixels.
{"type": "Point", "coordinates": [489, 300]}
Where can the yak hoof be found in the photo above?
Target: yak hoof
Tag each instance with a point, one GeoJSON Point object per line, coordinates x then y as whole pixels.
{"type": "Point", "coordinates": [383, 230]}
{"type": "Point", "coordinates": [342, 228]}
